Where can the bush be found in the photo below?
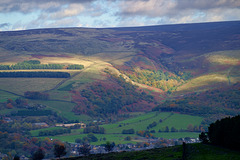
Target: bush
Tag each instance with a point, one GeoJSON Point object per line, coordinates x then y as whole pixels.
{"type": "Point", "coordinates": [128, 131]}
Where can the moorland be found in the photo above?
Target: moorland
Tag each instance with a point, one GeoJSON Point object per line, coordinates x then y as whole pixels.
{"type": "Point", "coordinates": [168, 81]}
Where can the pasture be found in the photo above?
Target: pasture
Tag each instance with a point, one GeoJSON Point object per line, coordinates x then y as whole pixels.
{"type": "Point", "coordinates": [5, 96]}
{"type": "Point", "coordinates": [179, 121]}
{"type": "Point", "coordinates": [140, 122]}
{"type": "Point", "coordinates": [63, 109]}
{"type": "Point", "coordinates": [21, 85]}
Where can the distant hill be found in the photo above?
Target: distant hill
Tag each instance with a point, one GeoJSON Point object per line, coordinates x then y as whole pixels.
{"type": "Point", "coordinates": [162, 62]}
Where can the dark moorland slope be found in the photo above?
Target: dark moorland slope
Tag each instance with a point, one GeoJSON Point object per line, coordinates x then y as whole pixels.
{"type": "Point", "coordinates": [167, 61]}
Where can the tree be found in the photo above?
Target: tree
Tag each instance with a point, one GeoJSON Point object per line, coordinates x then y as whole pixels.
{"type": "Point", "coordinates": [59, 150]}
{"type": "Point", "coordinates": [78, 140]}
{"type": "Point", "coordinates": [128, 138]}
{"type": "Point", "coordinates": [109, 146]}
{"type": "Point", "coordinates": [92, 137]}
{"type": "Point", "coordinates": [16, 157]}
{"type": "Point", "coordinates": [225, 132]}
{"type": "Point", "coordinates": [128, 131]}
{"type": "Point", "coordinates": [84, 149]}
{"type": "Point", "coordinates": [203, 138]}
{"type": "Point", "coordinates": [39, 154]}
{"type": "Point", "coordinates": [166, 129]}
{"type": "Point", "coordinates": [173, 129]}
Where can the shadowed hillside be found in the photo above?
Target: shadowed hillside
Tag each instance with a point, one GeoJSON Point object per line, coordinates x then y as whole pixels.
{"type": "Point", "coordinates": [162, 62]}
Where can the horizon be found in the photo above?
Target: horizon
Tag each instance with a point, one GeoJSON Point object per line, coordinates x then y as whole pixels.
{"type": "Point", "coordinates": [26, 15]}
{"type": "Point", "coordinates": [121, 27]}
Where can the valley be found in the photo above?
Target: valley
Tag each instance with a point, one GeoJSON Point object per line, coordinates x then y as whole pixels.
{"type": "Point", "coordinates": [137, 83]}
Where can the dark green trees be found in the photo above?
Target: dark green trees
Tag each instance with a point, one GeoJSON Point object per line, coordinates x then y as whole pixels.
{"type": "Point", "coordinates": [59, 150]}
{"type": "Point", "coordinates": [109, 146]}
{"type": "Point", "coordinates": [203, 138]}
{"type": "Point", "coordinates": [224, 132]}
{"type": "Point", "coordinates": [128, 131]}
{"type": "Point", "coordinates": [38, 155]}
{"type": "Point", "coordinates": [35, 74]}
{"type": "Point", "coordinates": [84, 149]}
{"type": "Point", "coordinates": [36, 64]}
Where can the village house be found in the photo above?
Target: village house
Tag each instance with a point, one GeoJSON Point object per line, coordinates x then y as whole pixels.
{"type": "Point", "coordinates": [82, 125]}
{"type": "Point", "coordinates": [41, 124]}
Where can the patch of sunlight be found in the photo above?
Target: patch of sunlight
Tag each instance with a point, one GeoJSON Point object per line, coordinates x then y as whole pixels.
{"type": "Point", "coordinates": [205, 80]}
{"type": "Point", "coordinates": [225, 57]}
{"type": "Point", "coordinates": [223, 60]}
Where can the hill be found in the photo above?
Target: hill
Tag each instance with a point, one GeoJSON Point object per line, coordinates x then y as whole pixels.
{"type": "Point", "coordinates": [128, 69]}
{"type": "Point", "coordinates": [167, 81]}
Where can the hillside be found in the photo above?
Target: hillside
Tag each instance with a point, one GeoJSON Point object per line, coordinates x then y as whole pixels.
{"type": "Point", "coordinates": [193, 151]}
{"type": "Point", "coordinates": [162, 62]}
{"type": "Point", "coordinates": [128, 85]}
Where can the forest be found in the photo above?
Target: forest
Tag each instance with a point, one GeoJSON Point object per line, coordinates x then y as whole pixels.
{"type": "Point", "coordinates": [39, 74]}
{"type": "Point", "coordinates": [101, 98]}
{"type": "Point", "coordinates": [224, 132]}
{"type": "Point", "coordinates": [159, 79]}
{"type": "Point", "coordinates": [36, 64]}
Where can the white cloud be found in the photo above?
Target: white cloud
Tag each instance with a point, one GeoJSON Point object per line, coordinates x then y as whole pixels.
{"type": "Point", "coordinates": [151, 8]}
{"type": "Point", "coordinates": [109, 13]}
{"type": "Point", "coordinates": [178, 11]}
{"type": "Point", "coordinates": [69, 11]}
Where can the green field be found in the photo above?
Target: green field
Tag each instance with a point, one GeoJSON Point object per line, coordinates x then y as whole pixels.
{"type": "Point", "coordinates": [35, 133]}
{"type": "Point", "coordinates": [140, 122]}
{"type": "Point", "coordinates": [21, 85]}
{"type": "Point", "coordinates": [179, 121]}
{"type": "Point", "coordinates": [117, 138]}
{"type": "Point", "coordinates": [63, 109]}
{"type": "Point", "coordinates": [5, 95]}
{"type": "Point", "coordinates": [176, 135]}
{"type": "Point", "coordinates": [8, 111]}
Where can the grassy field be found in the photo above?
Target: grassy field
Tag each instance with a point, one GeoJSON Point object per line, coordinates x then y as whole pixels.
{"type": "Point", "coordinates": [64, 109]}
{"type": "Point", "coordinates": [5, 95]}
{"type": "Point", "coordinates": [117, 138]}
{"type": "Point", "coordinates": [35, 133]}
{"type": "Point", "coordinates": [8, 111]}
{"type": "Point", "coordinates": [179, 121]}
{"type": "Point", "coordinates": [21, 85]}
{"type": "Point", "coordinates": [60, 95]}
{"type": "Point", "coordinates": [176, 135]}
{"type": "Point", "coordinates": [114, 132]}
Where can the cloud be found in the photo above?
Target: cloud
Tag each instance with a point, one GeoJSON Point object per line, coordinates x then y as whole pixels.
{"type": "Point", "coordinates": [3, 25]}
{"type": "Point", "coordinates": [108, 13]}
{"type": "Point", "coordinates": [156, 8]}
{"type": "Point", "coordinates": [151, 8]}
{"type": "Point", "coordinates": [207, 4]}
{"type": "Point", "coordinates": [27, 6]}
{"type": "Point", "coordinates": [177, 11]}
{"type": "Point", "coordinates": [69, 11]}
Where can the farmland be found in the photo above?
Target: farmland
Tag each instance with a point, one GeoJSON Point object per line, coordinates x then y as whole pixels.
{"type": "Point", "coordinates": [140, 122]}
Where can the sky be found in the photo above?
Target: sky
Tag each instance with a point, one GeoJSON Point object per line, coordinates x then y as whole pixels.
{"type": "Point", "coordinates": [32, 14]}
